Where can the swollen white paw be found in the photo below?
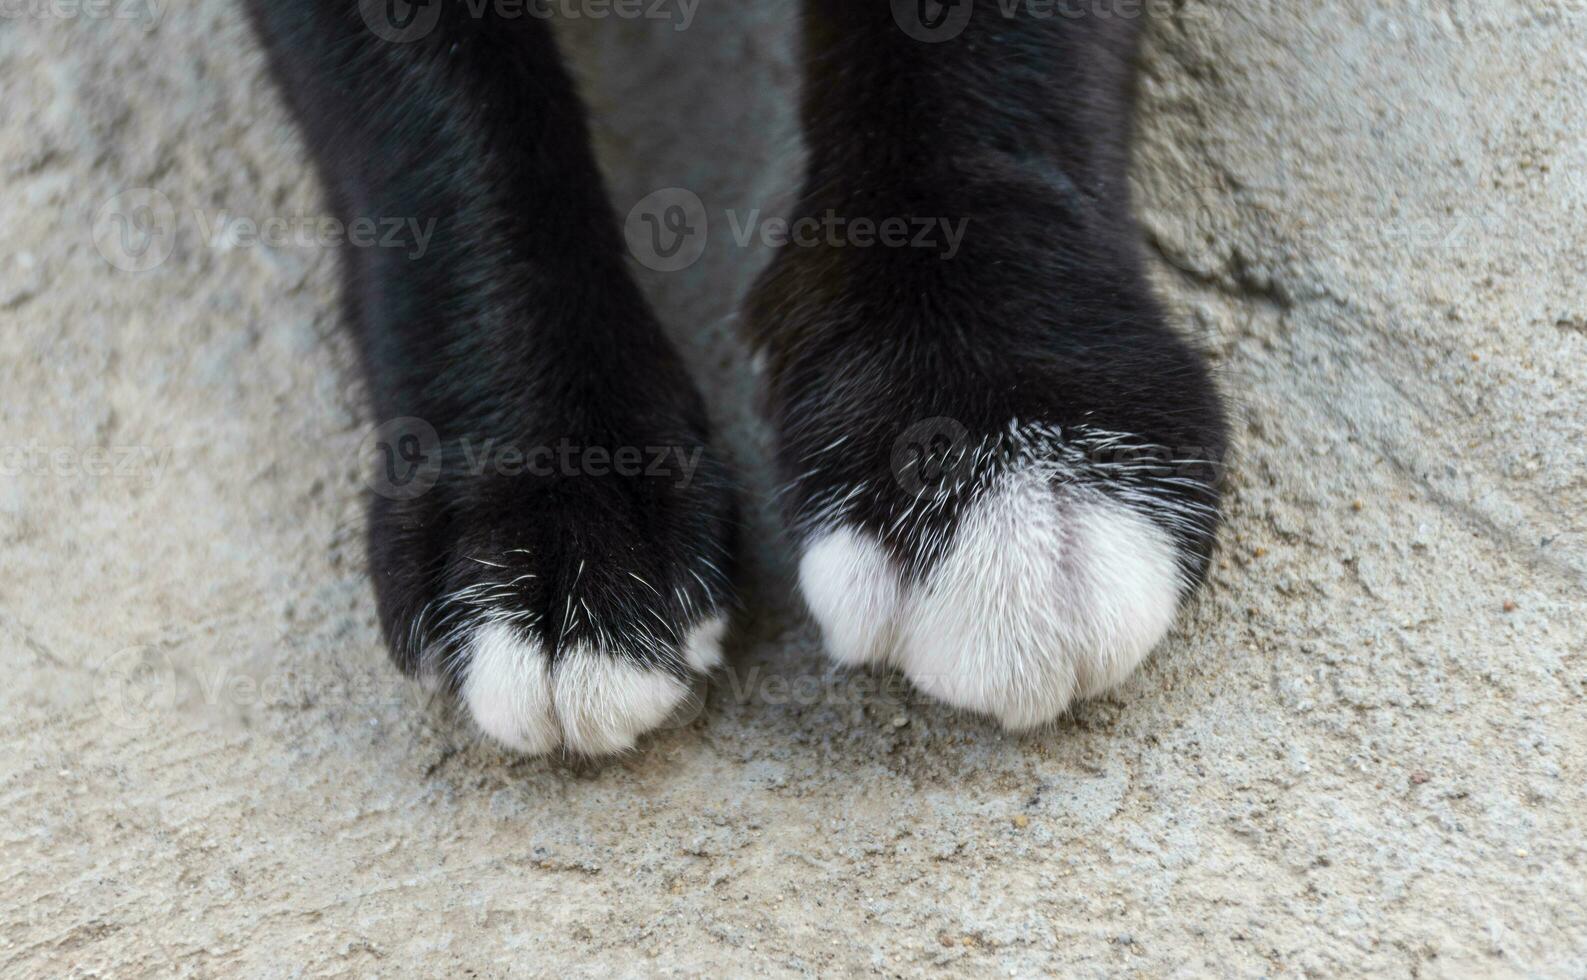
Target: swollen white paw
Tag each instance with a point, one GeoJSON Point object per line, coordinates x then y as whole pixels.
{"type": "Point", "coordinates": [1046, 594]}
{"type": "Point", "coordinates": [588, 701]}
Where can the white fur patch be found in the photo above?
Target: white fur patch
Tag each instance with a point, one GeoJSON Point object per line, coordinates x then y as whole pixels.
{"type": "Point", "coordinates": [589, 701]}
{"type": "Point", "coordinates": [851, 587]}
{"type": "Point", "coordinates": [606, 702]}
{"type": "Point", "coordinates": [1044, 595]}
{"type": "Point", "coordinates": [702, 648]}
{"type": "Point", "coordinates": [508, 690]}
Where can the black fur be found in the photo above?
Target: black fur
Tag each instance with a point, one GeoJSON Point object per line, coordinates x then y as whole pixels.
{"type": "Point", "coordinates": [518, 332]}
{"type": "Point", "coordinates": [901, 378]}
{"type": "Point", "coordinates": [895, 374]}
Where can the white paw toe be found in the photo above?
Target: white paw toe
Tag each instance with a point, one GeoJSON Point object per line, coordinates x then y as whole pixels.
{"type": "Point", "coordinates": [508, 690]}
{"type": "Point", "coordinates": [589, 702]}
{"type": "Point", "coordinates": [1045, 595]}
{"type": "Point", "coordinates": [604, 703]}
{"type": "Point", "coordinates": [702, 648]}
{"type": "Point", "coordinates": [850, 585]}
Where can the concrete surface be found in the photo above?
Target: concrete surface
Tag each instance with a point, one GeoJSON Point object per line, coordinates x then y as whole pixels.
{"type": "Point", "coordinates": [1363, 750]}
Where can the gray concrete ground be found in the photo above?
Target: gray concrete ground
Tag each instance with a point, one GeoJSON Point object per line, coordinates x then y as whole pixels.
{"type": "Point", "coordinates": [1362, 749]}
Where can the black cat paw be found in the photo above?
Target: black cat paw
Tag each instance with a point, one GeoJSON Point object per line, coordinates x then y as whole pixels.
{"type": "Point", "coordinates": [570, 590]}
{"type": "Point", "coordinates": [1002, 466]}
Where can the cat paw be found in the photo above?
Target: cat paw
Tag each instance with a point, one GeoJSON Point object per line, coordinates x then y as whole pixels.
{"type": "Point", "coordinates": [570, 605]}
